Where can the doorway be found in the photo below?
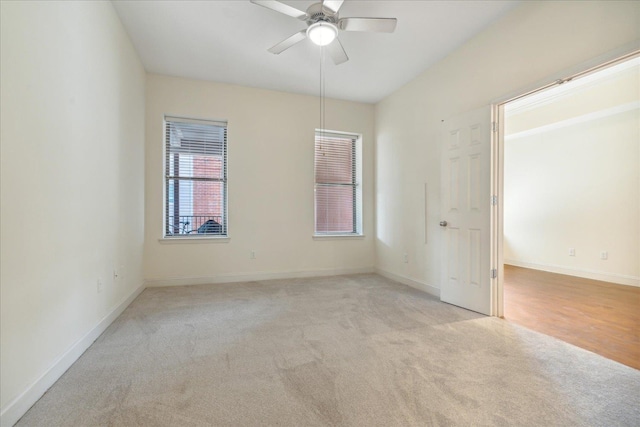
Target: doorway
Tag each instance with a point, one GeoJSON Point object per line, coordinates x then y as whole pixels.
{"type": "Point", "coordinates": [568, 229]}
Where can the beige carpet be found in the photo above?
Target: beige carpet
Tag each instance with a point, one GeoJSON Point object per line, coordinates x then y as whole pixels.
{"type": "Point", "coordinates": [351, 350]}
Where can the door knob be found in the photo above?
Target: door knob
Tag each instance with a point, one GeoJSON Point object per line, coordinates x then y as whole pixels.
{"type": "Point", "coordinates": [443, 223]}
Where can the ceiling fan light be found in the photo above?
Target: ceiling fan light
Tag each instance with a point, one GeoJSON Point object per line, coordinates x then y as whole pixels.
{"type": "Point", "coordinates": [322, 33]}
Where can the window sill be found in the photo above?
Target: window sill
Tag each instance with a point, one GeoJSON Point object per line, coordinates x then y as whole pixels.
{"type": "Point", "coordinates": [183, 240]}
{"type": "Point", "coordinates": [338, 236]}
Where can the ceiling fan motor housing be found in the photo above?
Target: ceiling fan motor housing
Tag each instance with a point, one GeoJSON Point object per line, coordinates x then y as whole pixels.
{"type": "Point", "coordinates": [318, 13]}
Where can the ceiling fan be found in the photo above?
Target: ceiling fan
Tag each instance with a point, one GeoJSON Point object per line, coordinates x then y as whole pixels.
{"type": "Point", "coordinates": [323, 24]}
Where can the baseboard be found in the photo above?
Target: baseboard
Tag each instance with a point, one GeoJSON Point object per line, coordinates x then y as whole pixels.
{"type": "Point", "coordinates": [432, 290]}
{"type": "Point", "coordinates": [250, 277]}
{"type": "Point", "coordinates": [14, 410]}
{"type": "Point", "coordinates": [586, 274]}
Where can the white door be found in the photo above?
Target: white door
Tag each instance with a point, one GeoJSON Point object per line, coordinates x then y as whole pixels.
{"type": "Point", "coordinates": [466, 211]}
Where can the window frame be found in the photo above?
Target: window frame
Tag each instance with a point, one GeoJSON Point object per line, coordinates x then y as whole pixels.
{"type": "Point", "coordinates": [356, 182]}
{"type": "Point", "coordinates": [194, 236]}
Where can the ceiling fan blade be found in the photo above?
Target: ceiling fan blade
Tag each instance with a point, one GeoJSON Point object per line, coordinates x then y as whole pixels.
{"type": "Point", "coordinates": [378, 25]}
{"type": "Point", "coordinates": [288, 42]}
{"type": "Point", "coordinates": [333, 5]}
{"type": "Point", "coordinates": [282, 8]}
{"type": "Point", "coordinates": [336, 52]}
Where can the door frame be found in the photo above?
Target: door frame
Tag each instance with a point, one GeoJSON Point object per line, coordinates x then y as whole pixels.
{"type": "Point", "coordinates": [497, 158]}
{"type": "Point", "coordinates": [496, 237]}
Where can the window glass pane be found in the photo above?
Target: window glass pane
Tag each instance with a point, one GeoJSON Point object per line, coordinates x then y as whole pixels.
{"type": "Point", "coordinates": [334, 209]}
{"type": "Point", "coordinates": [334, 160]}
{"type": "Point", "coordinates": [196, 204]}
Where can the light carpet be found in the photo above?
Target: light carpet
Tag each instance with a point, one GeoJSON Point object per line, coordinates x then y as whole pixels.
{"type": "Point", "coordinates": [356, 350]}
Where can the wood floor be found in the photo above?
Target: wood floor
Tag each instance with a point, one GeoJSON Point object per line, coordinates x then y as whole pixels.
{"type": "Point", "coordinates": [598, 316]}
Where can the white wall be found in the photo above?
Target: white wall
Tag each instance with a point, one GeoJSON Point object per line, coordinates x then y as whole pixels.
{"type": "Point", "coordinates": [270, 173]}
{"type": "Point", "coordinates": [536, 40]}
{"type": "Point", "coordinates": [572, 180]}
{"type": "Point", "coordinates": [72, 160]}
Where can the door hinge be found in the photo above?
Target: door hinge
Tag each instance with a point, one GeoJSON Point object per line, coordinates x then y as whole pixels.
{"type": "Point", "coordinates": [494, 200]}
{"type": "Point", "coordinates": [494, 273]}
{"type": "Point", "coordinates": [494, 126]}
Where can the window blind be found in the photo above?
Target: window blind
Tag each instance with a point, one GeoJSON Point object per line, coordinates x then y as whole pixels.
{"type": "Point", "coordinates": [337, 203]}
{"type": "Point", "coordinates": [195, 177]}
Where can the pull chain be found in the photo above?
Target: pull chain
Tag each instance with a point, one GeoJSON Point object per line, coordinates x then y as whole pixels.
{"type": "Point", "coordinates": [322, 91]}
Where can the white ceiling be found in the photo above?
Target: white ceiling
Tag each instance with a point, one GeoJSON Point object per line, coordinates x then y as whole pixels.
{"type": "Point", "coordinates": [227, 41]}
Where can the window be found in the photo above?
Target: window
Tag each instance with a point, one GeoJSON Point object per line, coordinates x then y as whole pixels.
{"type": "Point", "coordinates": [338, 193]}
{"type": "Point", "coordinates": [195, 178]}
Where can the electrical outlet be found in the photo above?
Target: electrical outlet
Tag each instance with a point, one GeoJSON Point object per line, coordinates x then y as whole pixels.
{"type": "Point", "coordinates": [572, 251]}
{"type": "Point", "coordinates": [252, 254]}
{"type": "Point", "coordinates": [99, 285]}
{"type": "Point", "coordinates": [405, 257]}
{"type": "Point", "coordinates": [604, 255]}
